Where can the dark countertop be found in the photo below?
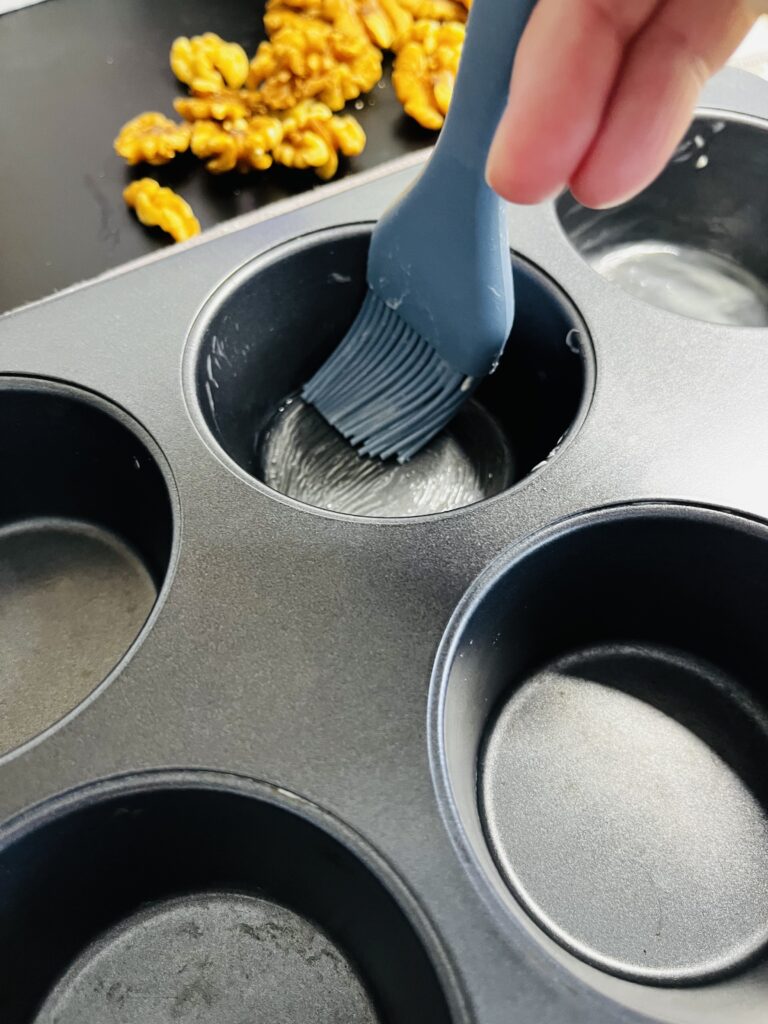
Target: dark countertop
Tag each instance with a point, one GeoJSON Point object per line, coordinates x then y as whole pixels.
{"type": "Point", "coordinates": [72, 72]}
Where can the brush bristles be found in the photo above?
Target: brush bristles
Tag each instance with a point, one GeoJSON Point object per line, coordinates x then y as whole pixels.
{"type": "Point", "coordinates": [385, 388]}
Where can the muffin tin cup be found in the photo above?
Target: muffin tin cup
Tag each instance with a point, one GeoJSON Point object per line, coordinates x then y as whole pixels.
{"type": "Point", "coordinates": [173, 894]}
{"type": "Point", "coordinates": [589, 845]}
{"type": "Point", "coordinates": [598, 730]}
{"type": "Point", "coordinates": [276, 321]}
{"type": "Point", "coordinates": [86, 543]}
{"type": "Point", "coordinates": [693, 242]}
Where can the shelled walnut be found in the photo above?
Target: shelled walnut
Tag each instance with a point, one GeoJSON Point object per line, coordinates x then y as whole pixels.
{"type": "Point", "coordinates": [242, 144]}
{"type": "Point", "coordinates": [425, 70]}
{"type": "Point", "coordinates": [223, 105]}
{"type": "Point", "coordinates": [310, 57]}
{"type": "Point", "coordinates": [282, 106]}
{"type": "Point", "coordinates": [313, 137]}
{"type": "Point", "coordinates": [151, 138]}
{"type": "Point", "coordinates": [161, 207]}
{"type": "Point", "coordinates": [208, 62]}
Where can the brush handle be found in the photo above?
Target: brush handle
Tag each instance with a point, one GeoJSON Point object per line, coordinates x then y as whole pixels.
{"type": "Point", "coordinates": [440, 254]}
{"type": "Point", "coordinates": [482, 84]}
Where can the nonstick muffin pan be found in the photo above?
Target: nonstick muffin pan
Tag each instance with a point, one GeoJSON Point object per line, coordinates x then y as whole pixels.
{"type": "Point", "coordinates": [483, 739]}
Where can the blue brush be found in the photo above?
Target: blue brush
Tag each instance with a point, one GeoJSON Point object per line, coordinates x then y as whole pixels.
{"type": "Point", "coordinates": [440, 302]}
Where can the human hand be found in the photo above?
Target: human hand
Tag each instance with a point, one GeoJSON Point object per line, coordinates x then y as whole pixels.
{"type": "Point", "coordinates": [603, 90]}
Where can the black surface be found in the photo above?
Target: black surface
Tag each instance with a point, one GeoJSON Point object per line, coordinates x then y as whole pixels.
{"type": "Point", "coordinates": [71, 73]}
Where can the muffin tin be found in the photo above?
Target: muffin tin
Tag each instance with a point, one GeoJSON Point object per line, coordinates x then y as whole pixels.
{"type": "Point", "coordinates": [270, 748]}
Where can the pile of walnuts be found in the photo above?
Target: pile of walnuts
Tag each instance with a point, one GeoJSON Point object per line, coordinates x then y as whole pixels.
{"type": "Point", "coordinates": [282, 106]}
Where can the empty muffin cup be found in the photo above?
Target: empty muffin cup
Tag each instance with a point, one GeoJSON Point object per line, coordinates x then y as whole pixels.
{"type": "Point", "coordinates": [694, 242]}
{"type": "Point", "coordinates": [276, 321]}
{"type": "Point", "coordinates": [599, 731]}
{"type": "Point", "coordinates": [86, 533]}
{"type": "Point", "coordinates": [195, 896]}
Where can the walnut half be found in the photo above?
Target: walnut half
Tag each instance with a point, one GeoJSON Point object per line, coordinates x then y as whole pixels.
{"type": "Point", "coordinates": [151, 138]}
{"type": "Point", "coordinates": [161, 207]}
{"type": "Point", "coordinates": [425, 70]}
{"type": "Point", "coordinates": [208, 62]}
{"type": "Point", "coordinates": [314, 137]}
{"type": "Point", "coordinates": [242, 144]}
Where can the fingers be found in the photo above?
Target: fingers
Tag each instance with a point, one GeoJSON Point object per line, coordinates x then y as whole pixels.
{"type": "Point", "coordinates": [602, 91]}
{"type": "Point", "coordinates": [653, 100]}
{"type": "Point", "coordinates": [564, 73]}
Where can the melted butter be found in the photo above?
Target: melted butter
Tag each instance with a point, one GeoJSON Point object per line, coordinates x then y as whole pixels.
{"type": "Point", "coordinates": [692, 282]}
{"type": "Point", "coordinates": [303, 457]}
